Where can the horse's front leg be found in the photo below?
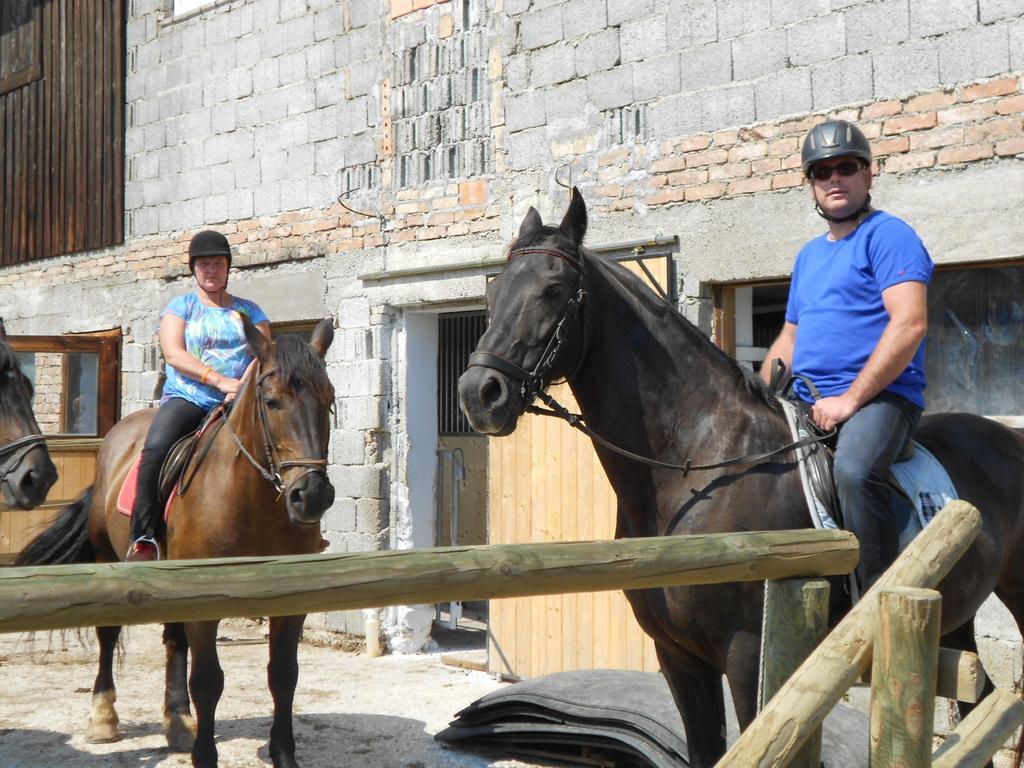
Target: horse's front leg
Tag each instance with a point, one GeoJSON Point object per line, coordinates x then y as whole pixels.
{"type": "Point", "coordinates": [697, 690]}
{"type": "Point", "coordinates": [103, 719]}
{"type": "Point", "coordinates": [179, 725]}
{"type": "Point", "coordinates": [206, 682]}
{"type": "Point", "coordinates": [282, 676]}
{"type": "Point", "coordinates": [741, 670]}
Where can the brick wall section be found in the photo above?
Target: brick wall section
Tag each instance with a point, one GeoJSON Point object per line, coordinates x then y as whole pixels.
{"type": "Point", "coordinates": [426, 213]}
{"type": "Point", "coordinates": [972, 122]}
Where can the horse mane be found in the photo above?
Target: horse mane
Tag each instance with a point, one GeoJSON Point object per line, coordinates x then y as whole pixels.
{"type": "Point", "coordinates": [642, 293]}
{"type": "Point", "coordinates": [301, 368]}
{"type": "Point", "coordinates": [8, 360]}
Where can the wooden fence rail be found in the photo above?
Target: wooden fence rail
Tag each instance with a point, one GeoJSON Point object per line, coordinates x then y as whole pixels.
{"type": "Point", "coordinates": [55, 597]}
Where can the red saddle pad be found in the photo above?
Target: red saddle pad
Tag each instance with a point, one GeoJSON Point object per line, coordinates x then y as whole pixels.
{"type": "Point", "coordinates": [126, 498]}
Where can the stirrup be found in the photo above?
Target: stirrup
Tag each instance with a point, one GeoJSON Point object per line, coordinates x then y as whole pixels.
{"type": "Point", "coordinates": [143, 540]}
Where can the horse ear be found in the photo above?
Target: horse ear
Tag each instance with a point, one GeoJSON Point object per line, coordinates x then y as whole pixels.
{"type": "Point", "coordinates": [3, 330]}
{"type": "Point", "coordinates": [261, 346]}
{"type": "Point", "coordinates": [322, 337]}
{"type": "Point", "coordinates": [531, 223]}
{"type": "Point", "coordinates": [574, 225]}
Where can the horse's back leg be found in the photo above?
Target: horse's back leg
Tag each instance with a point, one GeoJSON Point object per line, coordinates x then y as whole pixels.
{"type": "Point", "coordinates": [206, 683]}
{"type": "Point", "coordinates": [282, 677]}
{"type": "Point", "coordinates": [179, 725]}
{"type": "Point", "coordinates": [963, 639]}
{"type": "Point", "coordinates": [697, 690]}
{"type": "Point", "coordinates": [103, 719]}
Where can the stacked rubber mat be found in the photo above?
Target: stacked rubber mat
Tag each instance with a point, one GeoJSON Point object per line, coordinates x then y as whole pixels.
{"type": "Point", "coordinates": [611, 718]}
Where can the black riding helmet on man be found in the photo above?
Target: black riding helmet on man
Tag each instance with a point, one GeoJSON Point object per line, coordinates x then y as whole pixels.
{"type": "Point", "coordinates": [855, 326]}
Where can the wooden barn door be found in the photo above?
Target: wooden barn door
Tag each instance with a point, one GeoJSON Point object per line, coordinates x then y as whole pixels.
{"type": "Point", "coordinates": [546, 484]}
{"type": "Point", "coordinates": [77, 400]}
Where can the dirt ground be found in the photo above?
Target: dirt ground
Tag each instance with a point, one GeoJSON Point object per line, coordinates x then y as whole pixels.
{"type": "Point", "coordinates": [349, 710]}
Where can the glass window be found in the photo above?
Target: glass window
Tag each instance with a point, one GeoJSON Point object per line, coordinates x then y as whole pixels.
{"type": "Point", "coordinates": [975, 344]}
{"type": "Point", "coordinates": [185, 6]}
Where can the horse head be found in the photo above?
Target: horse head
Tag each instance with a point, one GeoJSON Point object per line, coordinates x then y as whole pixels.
{"type": "Point", "coordinates": [293, 401]}
{"type": "Point", "coordinates": [536, 333]}
{"type": "Point", "coordinates": [26, 471]}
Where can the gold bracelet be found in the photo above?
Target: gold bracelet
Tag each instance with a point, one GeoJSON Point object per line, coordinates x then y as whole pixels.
{"type": "Point", "coordinates": [206, 373]}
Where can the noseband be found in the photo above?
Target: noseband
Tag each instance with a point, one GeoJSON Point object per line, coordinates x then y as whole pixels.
{"type": "Point", "coordinates": [15, 452]}
{"type": "Point", "coordinates": [534, 382]}
{"type": "Point", "coordinates": [274, 466]}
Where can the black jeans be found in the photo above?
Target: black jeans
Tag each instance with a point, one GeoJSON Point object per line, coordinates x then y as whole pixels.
{"type": "Point", "coordinates": [174, 419]}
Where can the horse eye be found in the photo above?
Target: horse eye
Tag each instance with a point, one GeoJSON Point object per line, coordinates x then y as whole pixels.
{"type": "Point", "coordinates": [273, 403]}
{"type": "Point", "coordinates": [553, 291]}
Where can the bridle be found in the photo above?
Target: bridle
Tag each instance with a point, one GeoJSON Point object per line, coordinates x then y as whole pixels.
{"type": "Point", "coordinates": [14, 452]}
{"type": "Point", "coordinates": [271, 472]}
{"type": "Point", "coordinates": [533, 382]}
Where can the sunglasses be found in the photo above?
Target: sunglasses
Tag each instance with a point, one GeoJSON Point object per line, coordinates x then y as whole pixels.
{"type": "Point", "coordinates": [824, 172]}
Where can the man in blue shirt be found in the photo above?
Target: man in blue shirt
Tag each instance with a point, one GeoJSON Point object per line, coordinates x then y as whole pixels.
{"type": "Point", "coordinates": [855, 327]}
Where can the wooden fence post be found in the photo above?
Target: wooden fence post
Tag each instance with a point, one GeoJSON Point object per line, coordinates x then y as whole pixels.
{"type": "Point", "coordinates": [903, 676]}
{"type": "Point", "coordinates": [795, 621]}
{"type": "Point", "coordinates": [801, 705]}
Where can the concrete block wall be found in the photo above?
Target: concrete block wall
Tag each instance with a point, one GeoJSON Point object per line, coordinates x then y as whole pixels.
{"type": "Point", "coordinates": [673, 116]}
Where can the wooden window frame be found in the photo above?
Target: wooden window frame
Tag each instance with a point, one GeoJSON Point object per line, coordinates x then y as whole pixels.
{"type": "Point", "coordinates": [34, 71]}
{"type": "Point", "coordinates": [107, 344]}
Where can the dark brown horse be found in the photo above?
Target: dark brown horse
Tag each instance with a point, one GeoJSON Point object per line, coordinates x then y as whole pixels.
{"type": "Point", "coordinates": [26, 471]}
{"type": "Point", "coordinates": [651, 382]}
{"type": "Point", "coordinates": [261, 490]}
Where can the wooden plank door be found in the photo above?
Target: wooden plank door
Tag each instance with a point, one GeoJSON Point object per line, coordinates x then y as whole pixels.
{"type": "Point", "coordinates": [545, 483]}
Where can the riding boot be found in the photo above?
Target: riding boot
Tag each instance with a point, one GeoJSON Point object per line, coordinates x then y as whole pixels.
{"type": "Point", "coordinates": [146, 510]}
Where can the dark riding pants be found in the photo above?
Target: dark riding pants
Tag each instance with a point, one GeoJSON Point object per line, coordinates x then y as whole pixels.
{"type": "Point", "coordinates": [173, 420]}
{"type": "Point", "coordinates": [872, 509]}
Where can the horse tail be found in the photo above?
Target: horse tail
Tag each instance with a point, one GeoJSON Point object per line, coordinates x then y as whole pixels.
{"type": "Point", "coordinates": [66, 541]}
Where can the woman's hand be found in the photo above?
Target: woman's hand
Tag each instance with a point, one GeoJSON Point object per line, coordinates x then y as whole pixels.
{"type": "Point", "coordinates": [228, 386]}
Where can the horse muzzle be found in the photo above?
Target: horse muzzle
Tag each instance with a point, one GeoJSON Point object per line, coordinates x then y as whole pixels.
{"type": "Point", "coordinates": [26, 485]}
{"type": "Point", "coordinates": [308, 498]}
{"type": "Point", "coordinates": [490, 400]}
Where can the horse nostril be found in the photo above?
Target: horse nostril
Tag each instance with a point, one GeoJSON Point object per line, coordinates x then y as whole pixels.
{"type": "Point", "coordinates": [295, 498]}
{"type": "Point", "coordinates": [492, 391]}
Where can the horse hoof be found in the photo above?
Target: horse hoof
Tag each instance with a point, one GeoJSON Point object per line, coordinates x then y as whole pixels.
{"type": "Point", "coordinates": [102, 733]}
{"type": "Point", "coordinates": [180, 731]}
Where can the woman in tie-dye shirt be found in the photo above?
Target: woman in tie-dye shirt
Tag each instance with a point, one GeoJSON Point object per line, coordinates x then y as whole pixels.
{"type": "Point", "coordinates": [207, 355]}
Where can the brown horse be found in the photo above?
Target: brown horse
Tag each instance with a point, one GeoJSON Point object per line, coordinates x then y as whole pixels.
{"type": "Point", "coordinates": [26, 471]}
{"type": "Point", "coordinates": [260, 490]}
{"type": "Point", "coordinates": [649, 381]}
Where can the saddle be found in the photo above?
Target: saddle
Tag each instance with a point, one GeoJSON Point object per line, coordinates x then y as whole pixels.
{"type": "Point", "coordinates": [179, 467]}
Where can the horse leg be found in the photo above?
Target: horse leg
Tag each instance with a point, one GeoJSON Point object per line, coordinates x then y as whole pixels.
{"type": "Point", "coordinates": [741, 670]}
{"type": "Point", "coordinates": [962, 639]}
{"type": "Point", "coordinates": [179, 725]}
{"type": "Point", "coordinates": [282, 676]}
{"type": "Point", "coordinates": [103, 719]}
{"type": "Point", "coordinates": [697, 690]}
{"type": "Point", "coordinates": [206, 682]}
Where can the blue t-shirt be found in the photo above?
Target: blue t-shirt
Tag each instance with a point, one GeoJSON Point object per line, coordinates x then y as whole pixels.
{"type": "Point", "coordinates": [215, 336]}
{"type": "Point", "coordinates": [835, 300]}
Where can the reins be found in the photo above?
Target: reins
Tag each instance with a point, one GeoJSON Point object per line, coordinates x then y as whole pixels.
{"type": "Point", "coordinates": [274, 466]}
{"type": "Point", "coordinates": [533, 383]}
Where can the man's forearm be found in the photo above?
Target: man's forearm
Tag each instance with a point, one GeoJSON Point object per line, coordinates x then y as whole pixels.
{"type": "Point", "coordinates": [891, 356]}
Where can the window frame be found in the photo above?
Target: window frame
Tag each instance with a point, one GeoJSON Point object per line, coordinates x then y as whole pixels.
{"type": "Point", "coordinates": [107, 344]}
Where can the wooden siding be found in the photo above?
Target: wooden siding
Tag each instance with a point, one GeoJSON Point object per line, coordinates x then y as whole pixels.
{"type": "Point", "coordinates": [545, 483]}
{"type": "Point", "coordinates": [75, 459]}
{"type": "Point", "coordinates": [62, 138]}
